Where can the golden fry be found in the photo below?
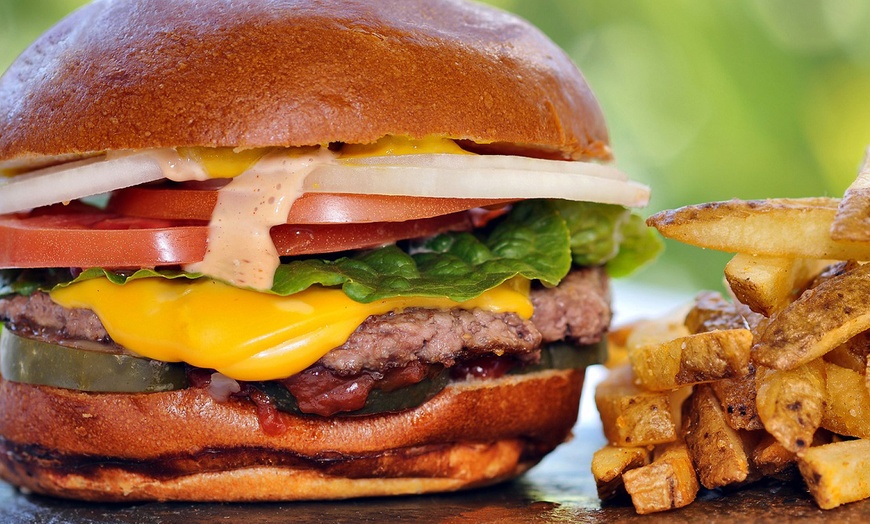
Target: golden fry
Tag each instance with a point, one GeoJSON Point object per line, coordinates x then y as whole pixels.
{"type": "Point", "coordinates": [820, 320]}
{"type": "Point", "coordinates": [669, 482]}
{"type": "Point", "coordinates": [657, 331]}
{"type": "Point", "coordinates": [852, 354]}
{"type": "Point", "coordinates": [791, 403]}
{"type": "Point", "coordinates": [610, 463]}
{"type": "Point", "coordinates": [769, 284]}
{"type": "Point", "coordinates": [737, 397]}
{"type": "Point", "coordinates": [692, 359]}
{"type": "Point", "coordinates": [837, 473]}
{"type": "Point", "coordinates": [631, 416]}
{"type": "Point", "coordinates": [847, 410]}
{"type": "Point", "coordinates": [617, 341]}
{"type": "Point", "coordinates": [852, 221]}
{"type": "Point", "coordinates": [712, 312]}
{"type": "Point", "coordinates": [716, 449]}
{"type": "Point", "coordinates": [794, 228]}
{"type": "Point", "coordinates": [770, 458]}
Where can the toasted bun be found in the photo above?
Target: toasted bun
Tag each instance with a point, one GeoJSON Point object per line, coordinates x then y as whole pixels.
{"type": "Point", "coordinates": [131, 74]}
{"type": "Point", "coordinates": [183, 445]}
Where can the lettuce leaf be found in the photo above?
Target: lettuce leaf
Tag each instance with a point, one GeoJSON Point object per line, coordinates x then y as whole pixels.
{"type": "Point", "coordinates": [539, 240]}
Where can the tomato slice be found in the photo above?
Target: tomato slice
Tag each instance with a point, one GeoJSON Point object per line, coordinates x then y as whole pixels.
{"type": "Point", "coordinates": [185, 203]}
{"type": "Point", "coordinates": [82, 236]}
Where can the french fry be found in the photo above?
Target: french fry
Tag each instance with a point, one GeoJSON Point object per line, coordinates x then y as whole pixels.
{"type": "Point", "coordinates": [668, 482]}
{"type": "Point", "coordinates": [712, 312]}
{"type": "Point", "coordinates": [852, 221]}
{"type": "Point", "coordinates": [610, 463]}
{"type": "Point", "coordinates": [852, 354]}
{"type": "Point", "coordinates": [847, 410]}
{"type": "Point", "coordinates": [617, 341]}
{"type": "Point", "coordinates": [791, 403]}
{"type": "Point", "coordinates": [692, 359]}
{"type": "Point", "coordinates": [657, 331]}
{"type": "Point", "coordinates": [794, 228]}
{"type": "Point", "coordinates": [716, 449]}
{"type": "Point", "coordinates": [631, 416]}
{"type": "Point", "coordinates": [737, 397]}
{"type": "Point", "coordinates": [769, 284]}
{"type": "Point", "coordinates": [820, 320]}
{"type": "Point", "coordinates": [833, 271]}
{"type": "Point", "coordinates": [837, 473]}
{"type": "Point", "coordinates": [770, 458]}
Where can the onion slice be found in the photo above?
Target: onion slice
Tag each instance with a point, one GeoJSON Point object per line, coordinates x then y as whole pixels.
{"type": "Point", "coordinates": [74, 180]}
{"type": "Point", "coordinates": [424, 175]}
{"type": "Point", "coordinates": [484, 176]}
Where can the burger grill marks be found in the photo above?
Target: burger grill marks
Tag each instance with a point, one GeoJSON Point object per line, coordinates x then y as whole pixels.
{"type": "Point", "coordinates": [388, 351]}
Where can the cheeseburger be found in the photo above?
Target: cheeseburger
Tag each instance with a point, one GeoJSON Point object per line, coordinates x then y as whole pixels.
{"type": "Point", "coordinates": [299, 249]}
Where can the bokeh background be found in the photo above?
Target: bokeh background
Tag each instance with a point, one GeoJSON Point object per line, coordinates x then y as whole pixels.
{"type": "Point", "coordinates": [705, 100]}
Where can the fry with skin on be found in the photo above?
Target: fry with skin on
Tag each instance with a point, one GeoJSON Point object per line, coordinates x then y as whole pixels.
{"type": "Point", "coordinates": [693, 359]}
{"type": "Point", "coordinates": [668, 482]}
{"type": "Point", "coordinates": [852, 221]}
{"type": "Point", "coordinates": [847, 410]}
{"type": "Point", "coordinates": [610, 463]}
{"type": "Point", "coordinates": [737, 397]}
{"type": "Point", "coordinates": [631, 416]}
{"type": "Point", "coordinates": [791, 403]}
{"type": "Point", "coordinates": [716, 449]}
{"type": "Point", "coordinates": [837, 473]}
{"type": "Point", "coordinates": [783, 227]}
{"type": "Point", "coordinates": [820, 320]}
{"type": "Point", "coordinates": [712, 312]}
{"type": "Point", "coordinates": [769, 284]}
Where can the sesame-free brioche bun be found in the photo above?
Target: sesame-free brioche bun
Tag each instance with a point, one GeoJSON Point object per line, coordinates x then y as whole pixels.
{"type": "Point", "coordinates": [132, 74]}
{"type": "Point", "coordinates": [183, 445]}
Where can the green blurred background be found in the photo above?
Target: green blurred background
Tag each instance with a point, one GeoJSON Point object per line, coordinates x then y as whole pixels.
{"type": "Point", "coordinates": [705, 100]}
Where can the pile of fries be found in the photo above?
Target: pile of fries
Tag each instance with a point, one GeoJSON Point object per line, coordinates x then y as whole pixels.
{"type": "Point", "coordinates": [771, 381]}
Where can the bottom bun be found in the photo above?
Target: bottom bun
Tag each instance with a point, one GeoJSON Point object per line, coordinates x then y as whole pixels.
{"type": "Point", "coordinates": [183, 445]}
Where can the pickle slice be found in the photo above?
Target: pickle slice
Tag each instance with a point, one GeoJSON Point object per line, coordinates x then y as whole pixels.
{"type": "Point", "coordinates": [562, 355]}
{"type": "Point", "coordinates": [378, 401]}
{"type": "Point", "coordinates": [41, 363]}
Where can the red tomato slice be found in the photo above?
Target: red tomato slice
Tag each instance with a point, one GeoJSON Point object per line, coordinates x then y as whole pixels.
{"type": "Point", "coordinates": [81, 236]}
{"type": "Point", "coordinates": [312, 208]}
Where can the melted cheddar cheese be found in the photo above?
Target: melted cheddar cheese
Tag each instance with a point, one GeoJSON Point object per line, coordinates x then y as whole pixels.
{"type": "Point", "coordinates": [244, 334]}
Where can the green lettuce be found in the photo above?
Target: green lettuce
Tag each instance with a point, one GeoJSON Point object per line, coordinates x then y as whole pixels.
{"type": "Point", "coordinates": [539, 240]}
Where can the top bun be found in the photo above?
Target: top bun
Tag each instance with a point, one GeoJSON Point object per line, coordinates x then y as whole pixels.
{"type": "Point", "coordinates": [131, 74]}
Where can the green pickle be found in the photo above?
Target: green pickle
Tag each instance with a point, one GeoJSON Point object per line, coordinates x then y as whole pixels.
{"type": "Point", "coordinates": [36, 362]}
{"type": "Point", "coordinates": [561, 355]}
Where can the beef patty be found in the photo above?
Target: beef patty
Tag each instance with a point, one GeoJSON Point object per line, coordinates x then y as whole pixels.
{"type": "Point", "coordinates": [577, 310]}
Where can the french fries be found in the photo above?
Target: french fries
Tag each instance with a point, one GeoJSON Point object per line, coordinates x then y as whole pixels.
{"type": "Point", "coordinates": [847, 410]}
{"type": "Point", "coordinates": [737, 397]}
{"type": "Point", "coordinates": [779, 374]}
{"type": "Point", "coordinates": [820, 320]}
{"type": "Point", "coordinates": [837, 473]}
{"type": "Point", "coordinates": [793, 228]}
{"type": "Point", "coordinates": [791, 403]}
{"type": "Point", "coordinates": [769, 284]}
{"type": "Point", "coordinates": [852, 221]}
{"type": "Point", "coordinates": [632, 416]}
{"type": "Point", "coordinates": [693, 359]}
{"type": "Point", "coordinates": [716, 449]}
{"type": "Point", "coordinates": [669, 482]}
{"type": "Point", "coordinates": [610, 463]}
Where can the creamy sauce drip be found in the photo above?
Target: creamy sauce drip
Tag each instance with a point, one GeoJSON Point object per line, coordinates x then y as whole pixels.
{"type": "Point", "coordinates": [179, 168]}
{"type": "Point", "coordinates": [240, 250]}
